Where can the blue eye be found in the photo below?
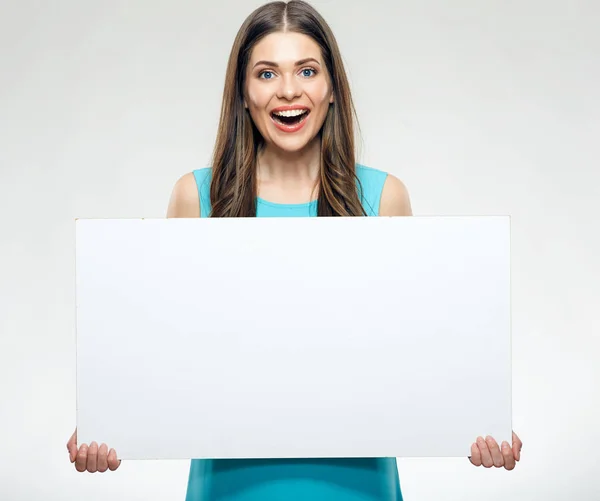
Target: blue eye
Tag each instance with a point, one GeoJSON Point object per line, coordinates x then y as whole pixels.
{"type": "Point", "coordinates": [269, 75]}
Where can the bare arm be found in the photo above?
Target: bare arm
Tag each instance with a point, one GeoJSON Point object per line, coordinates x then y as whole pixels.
{"type": "Point", "coordinates": [395, 200]}
{"type": "Point", "coordinates": [184, 201]}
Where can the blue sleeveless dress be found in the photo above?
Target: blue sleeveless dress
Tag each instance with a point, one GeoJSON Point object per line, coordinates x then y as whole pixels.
{"type": "Point", "coordinates": [319, 479]}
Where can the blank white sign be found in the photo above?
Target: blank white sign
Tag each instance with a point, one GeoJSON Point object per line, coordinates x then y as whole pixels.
{"type": "Point", "coordinates": [293, 337]}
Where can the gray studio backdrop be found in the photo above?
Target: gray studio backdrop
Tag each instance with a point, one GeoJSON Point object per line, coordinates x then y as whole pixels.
{"type": "Point", "coordinates": [480, 107]}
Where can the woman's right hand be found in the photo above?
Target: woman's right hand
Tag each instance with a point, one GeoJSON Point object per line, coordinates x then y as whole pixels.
{"type": "Point", "coordinates": [92, 458]}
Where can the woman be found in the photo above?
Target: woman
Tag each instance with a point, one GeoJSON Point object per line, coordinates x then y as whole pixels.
{"type": "Point", "coordinates": [285, 147]}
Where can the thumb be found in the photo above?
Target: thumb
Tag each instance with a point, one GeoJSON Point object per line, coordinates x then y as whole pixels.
{"type": "Point", "coordinates": [72, 446]}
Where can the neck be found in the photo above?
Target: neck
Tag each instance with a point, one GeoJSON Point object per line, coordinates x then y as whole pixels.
{"type": "Point", "coordinates": [276, 165]}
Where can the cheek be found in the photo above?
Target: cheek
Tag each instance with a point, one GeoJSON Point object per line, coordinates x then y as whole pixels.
{"type": "Point", "coordinates": [257, 98]}
{"type": "Point", "coordinates": [321, 94]}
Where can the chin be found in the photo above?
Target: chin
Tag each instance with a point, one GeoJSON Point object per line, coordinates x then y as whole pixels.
{"type": "Point", "coordinates": [291, 145]}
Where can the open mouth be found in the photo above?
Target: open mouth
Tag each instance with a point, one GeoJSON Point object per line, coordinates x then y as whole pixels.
{"type": "Point", "coordinates": [290, 117]}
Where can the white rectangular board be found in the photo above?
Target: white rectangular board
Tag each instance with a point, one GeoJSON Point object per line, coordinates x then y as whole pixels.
{"type": "Point", "coordinates": [293, 337]}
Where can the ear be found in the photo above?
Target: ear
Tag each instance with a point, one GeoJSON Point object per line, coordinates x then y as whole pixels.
{"type": "Point", "coordinates": [331, 98]}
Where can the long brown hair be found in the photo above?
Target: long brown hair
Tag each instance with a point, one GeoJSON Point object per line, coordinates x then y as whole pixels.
{"type": "Point", "coordinates": [233, 187]}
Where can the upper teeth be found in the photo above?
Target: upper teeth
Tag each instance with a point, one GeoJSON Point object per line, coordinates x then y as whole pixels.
{"type": "Point", "coordinates": [290, 113]}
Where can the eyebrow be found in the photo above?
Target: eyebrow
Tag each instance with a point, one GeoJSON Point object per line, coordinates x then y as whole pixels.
{"type": "Point", "coordinates": [298, 63]}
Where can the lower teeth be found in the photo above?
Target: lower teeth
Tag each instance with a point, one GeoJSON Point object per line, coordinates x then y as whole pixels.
{"type": "Point", "coordinates": [289, 121]}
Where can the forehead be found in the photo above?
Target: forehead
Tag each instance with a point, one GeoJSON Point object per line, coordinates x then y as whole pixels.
{"type": "Point", "coordinates": [285, 49]}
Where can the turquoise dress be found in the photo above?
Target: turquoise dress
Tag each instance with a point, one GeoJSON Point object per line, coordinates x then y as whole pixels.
{"type": "Point", "coordinates": [335, 479]}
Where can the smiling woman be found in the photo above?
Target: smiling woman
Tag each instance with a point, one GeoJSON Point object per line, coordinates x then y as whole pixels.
{"type": "Point", "coordinates": [286, 129]}
{"type": "Point", "coordinates": [306, 82]}
{"type": "Point", "coordinates": [285, 148]}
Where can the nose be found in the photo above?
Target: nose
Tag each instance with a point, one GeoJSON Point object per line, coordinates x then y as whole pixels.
{"type": "Point", "coordinates": [289, 88]}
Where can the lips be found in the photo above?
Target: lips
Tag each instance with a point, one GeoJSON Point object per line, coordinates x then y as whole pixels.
{"type": "Point", "coordinates": [290, 118]}
{"type": "Point", "coordinates": [291, 107]}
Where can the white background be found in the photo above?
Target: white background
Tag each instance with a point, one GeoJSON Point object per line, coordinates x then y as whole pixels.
{"type": "Point", "coordinates": [479, 107]}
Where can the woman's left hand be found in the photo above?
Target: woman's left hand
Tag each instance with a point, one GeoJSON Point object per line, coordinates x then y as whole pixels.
{"type": "Point", "coordinates": [487, 453]}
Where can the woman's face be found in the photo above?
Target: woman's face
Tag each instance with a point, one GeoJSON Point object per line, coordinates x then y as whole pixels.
{"type": "Point", "coordinates": [288, 90]}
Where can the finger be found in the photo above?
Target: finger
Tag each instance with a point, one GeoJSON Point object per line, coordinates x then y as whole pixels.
{"type": "Point", "coordinates": [92, 458]}
{"type": "Point", "coordinates": [486, 457]}
{"type": "Point", "coordinates": [475, 455]}
{"type": "Point", "coordinates": [507, 454]}
{"type": "Point", "coordinates": [102, 458]}
{"type": "Point", "coordinates": [517, 446]}
{"type": "Point", "coordinates": [72, 446]}
{"type": "Point", "coordinates": [113, 462]}
{"type": "Point", "coordinates": [81, 459]}
{"type": "Point", "coordinates": [495, 452]}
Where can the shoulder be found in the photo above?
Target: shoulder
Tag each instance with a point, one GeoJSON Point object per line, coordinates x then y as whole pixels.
{"type": "Point", "coordinates": [395, 200]}
{"type": "Point", "coordinates": [185, 199]}
{"type": "Point", "coordinates": [383, 192]}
